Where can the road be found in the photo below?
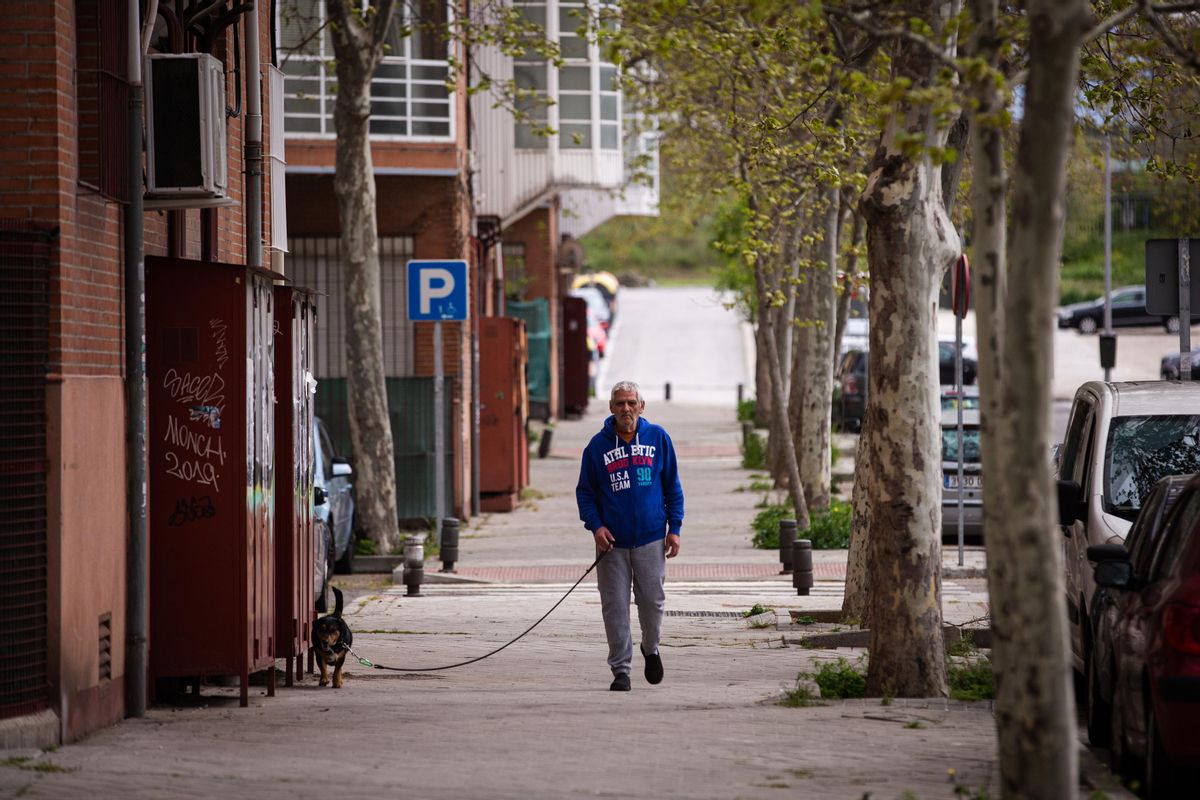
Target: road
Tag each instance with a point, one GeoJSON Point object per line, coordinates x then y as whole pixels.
{"type": "Point", "coordinates": [684, 336]}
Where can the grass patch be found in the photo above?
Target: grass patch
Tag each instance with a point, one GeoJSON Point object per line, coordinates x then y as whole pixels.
{"type": "Point", "coordinates": [754, 451]}
{"type": "Point", "coordinates": [800, 697]}
{"type": "Point", "coordinates": [806, 620]}
{"type": "Point", "coordinates": [915, 725]}
{"type": "Point", "coordinates": [25, 763]}
{"type": "Point", "coordinates": [756, 609]}
{"type": "Point", "coordinates": [840, 679]}
{"type": "Point", "coordinates": [761, 486]}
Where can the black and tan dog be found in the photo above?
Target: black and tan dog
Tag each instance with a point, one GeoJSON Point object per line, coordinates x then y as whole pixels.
{"type": "Point", "coordinates": [331, 641]}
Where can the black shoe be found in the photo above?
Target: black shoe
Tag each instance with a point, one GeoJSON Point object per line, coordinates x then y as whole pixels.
{"type": "Point", "coordinates": [654, 668]}
{"type": "Point", "coordinates": [620, 683]}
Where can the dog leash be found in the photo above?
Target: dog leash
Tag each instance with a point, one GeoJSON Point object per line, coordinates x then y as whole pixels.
{"type": "Point", "coordinates": [368, 663]}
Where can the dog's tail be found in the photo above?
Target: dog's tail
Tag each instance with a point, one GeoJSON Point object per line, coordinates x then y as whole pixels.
{"type": "Point", "coordinates": [337, 595]}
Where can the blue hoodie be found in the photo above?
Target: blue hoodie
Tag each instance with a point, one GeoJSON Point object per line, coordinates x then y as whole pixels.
{"type": "Point", "coordinates": [631, 488]}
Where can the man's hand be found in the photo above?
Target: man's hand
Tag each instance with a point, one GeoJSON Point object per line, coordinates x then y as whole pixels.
{"type": "Point", "coordinates": [604, 539]}
{"type": "Point", "coordinates": [672, 545]}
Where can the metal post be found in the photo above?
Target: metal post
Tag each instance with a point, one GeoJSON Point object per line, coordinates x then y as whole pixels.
{"type": "Point", "coordinates": [741, 390]}
{"type": "Point", "coordinates": [1185, 309]}
{"type": "Point", "coordinates": [958, 385]}
{"type": "Point", "coordinates": [1107, 244]}
{"type": "Point", "coordinates": [667, 391]}
{"type": "Point", "coordinates": [137, 579]}
{"type": "Point", "coordinates": [439, 425]}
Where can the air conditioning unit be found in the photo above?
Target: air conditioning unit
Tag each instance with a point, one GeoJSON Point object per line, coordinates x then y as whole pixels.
{"type": "Point", "coordinates": [185, 130]}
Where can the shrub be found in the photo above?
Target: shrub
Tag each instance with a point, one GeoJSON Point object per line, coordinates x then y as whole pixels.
{"type": "Point", "coordinates": [973, 680]}
{"type": "Point", "coordinates": [828, 529]}
{"type": "Point", "coordinates": [766, 525]}
{"type": "Point", "coordinates": [840, 679]}
{"type": "Point", "coordinates": [754, 451]}
{"type": "Point", "coordinates": [745, 410]}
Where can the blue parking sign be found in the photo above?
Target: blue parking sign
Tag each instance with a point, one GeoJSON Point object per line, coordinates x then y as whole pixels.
{"type": "Point", "coordinates": [437, 290]}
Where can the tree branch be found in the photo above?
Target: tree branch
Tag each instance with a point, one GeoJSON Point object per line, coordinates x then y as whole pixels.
{"type": "Point", "coordinates": [901, 34]}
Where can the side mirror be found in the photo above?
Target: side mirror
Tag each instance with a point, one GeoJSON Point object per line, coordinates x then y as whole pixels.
{"type": "Point", "coordinates": [1101, 553]}
{"type": "Point", "coordinates": [1055, 454]}
{"type": "Point", "coordinates": [1070, 500]}
{"type": "Point", "coordinates": [319, 496]}
{"type": "Point", "coordinates": [341, 468]}
{"type": "Point", "coordinates": [1114, 574]}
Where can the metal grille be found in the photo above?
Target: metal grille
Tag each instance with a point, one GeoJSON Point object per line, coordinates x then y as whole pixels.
{"type": "Point", "coordinates": [317, 264]}
{"type": "Point", "coordinates": [24, 356]}
{"type": "Point", "coordinates": [103, 97]}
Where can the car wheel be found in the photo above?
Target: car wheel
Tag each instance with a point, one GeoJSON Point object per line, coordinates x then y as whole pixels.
{"type": "Point", "coordinates": [1088, 325]}
{"type": "Point", "coordinates": [1164, 778]}
{"type": "Point", "coordinates": [1099, 709]}
{"type": "Point", "coordinates": [1171, 324]}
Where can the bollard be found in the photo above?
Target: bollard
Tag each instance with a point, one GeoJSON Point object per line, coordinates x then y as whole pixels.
{"type": "Point", "coordinates": [787, 537]}
{"type": "Point", "coordinates": [802, 575]}
{"type": "Point", "coordinates": [449, 543]}
{"type": "Point", "coordinates": [667, 390]}
{"type": "Point", "coordinates": [741, 393]}
{"type": "Point", "coordinates": [414, 565]}
{"type": "Point", "coordinates": [545, 442]}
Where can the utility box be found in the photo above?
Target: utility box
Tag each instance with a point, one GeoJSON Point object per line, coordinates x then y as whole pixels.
{"type": "Point", "coordinates": [577, 358]}
{"type": "Point", "coordinates": [503, 411]}
{"type": "Point", "coordinates": [296, 569]}
{"type": "Point", "coordinates": [211, 445]}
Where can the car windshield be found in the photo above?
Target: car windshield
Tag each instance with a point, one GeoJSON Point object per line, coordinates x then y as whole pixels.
{"type": "Point", "coordinates": [970, 447]}
{"type": "Point", "coordinates": [1143, 449]}
{"type": "Point", "coordinates": [969, 402]}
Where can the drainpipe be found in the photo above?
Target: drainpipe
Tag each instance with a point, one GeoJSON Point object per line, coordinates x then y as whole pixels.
{"type": "Point", "coordinates": [137, 618]}
{"type": "Point", "coordinates": [254, 142]}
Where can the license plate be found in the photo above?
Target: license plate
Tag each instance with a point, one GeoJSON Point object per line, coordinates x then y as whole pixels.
{"type": "Point", "coordinates": [968, 482]}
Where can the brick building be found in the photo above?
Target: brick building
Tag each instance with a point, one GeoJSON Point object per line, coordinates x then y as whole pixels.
{"type": "Point", "coordinates": [64, 198]}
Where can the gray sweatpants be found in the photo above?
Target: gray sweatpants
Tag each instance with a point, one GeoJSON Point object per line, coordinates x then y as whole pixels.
{"type": "Point", "coordinates": [645, 570]}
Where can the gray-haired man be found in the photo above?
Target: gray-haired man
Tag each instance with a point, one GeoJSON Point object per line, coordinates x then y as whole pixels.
{"type": "Point", "coordinates": [630, 498]}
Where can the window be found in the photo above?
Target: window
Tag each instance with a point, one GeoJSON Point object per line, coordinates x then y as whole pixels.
{"type": "Point", "coordinates": [575, 107]}
{"type": "Point", "coordinates": [970, 441]}
{"type": "Point", "coordinates": [1143, 449]}
{"type": "Point", "coordinates": [103, 97]}
{"type": "Point", "coordinates": [409, 97]}
{"type": "Point", "coordinates": [515, 277]}
{"type": "Point", "coordinates": [530, 73]}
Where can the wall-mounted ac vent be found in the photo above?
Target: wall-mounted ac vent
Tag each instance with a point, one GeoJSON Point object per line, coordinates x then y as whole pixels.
{"type": "Point", "coordinates": [185, 129]}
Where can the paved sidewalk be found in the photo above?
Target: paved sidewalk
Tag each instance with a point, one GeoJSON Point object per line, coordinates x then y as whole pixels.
{"type": "Point", "coordinates": [536, 720]}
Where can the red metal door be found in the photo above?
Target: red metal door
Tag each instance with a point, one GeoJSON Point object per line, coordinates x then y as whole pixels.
{"type": "Point", "coordinates": [499, 460]}
{"type": "Point", "coordinates": [210, 448]}
{"type": "Point", "coordinates": [576, 356]}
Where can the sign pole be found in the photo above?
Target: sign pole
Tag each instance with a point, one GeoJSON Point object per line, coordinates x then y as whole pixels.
{"type": "Point", "coordinates": [1185, 309]}
{"type": "Point", "coordinates": [960, 298]}
{"type": "Point", "coordinates": [1107, 245]}
{"type": "Point", "coordinates": [439, 431]}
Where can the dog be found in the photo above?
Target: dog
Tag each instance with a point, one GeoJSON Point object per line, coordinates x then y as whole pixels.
{"type": "Point", "coordinates": [331, 640]}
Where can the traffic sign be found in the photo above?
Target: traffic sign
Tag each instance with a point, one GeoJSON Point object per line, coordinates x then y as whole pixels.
{"type": "Point", "coordinates": [960, 286]}
{"type": "Point", "coordinates": [437, 290]}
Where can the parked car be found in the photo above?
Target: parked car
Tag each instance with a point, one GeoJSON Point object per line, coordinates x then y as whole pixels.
{"type": "Point", "coordinates": [596, 304]}
{"type": "Point", "coordinates": [322, 555]}
{"type": "Point", "coordinates": [1107, 603]}
{"type": "Point", "coordinates": [1128, 308]}
{"type": "Point", "coordinates": [1169, 368]}
{"type": "Point", "coordinates": [606, 282]}
{"type": "Point", "coordinates": [946, 348]}
{"type": "Point", "coordinates": [952, 399]}
{"type": "Point", "coordinates": [1156, 644]}
{"type": "Point", "coordinates": [850, 390]}
{"type": "Point", "coordinates": [971, 487]}
{"type": "Point", "coordinates": [331, 476]}
{"type": "Point", "coordinates": [1122, 438]}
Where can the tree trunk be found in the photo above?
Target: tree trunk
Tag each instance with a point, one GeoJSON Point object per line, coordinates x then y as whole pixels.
{"type": "Point", "coordinates": [358, 50]}
{"type": "Point", "coordinates": [856, 606]}
{"type": "Point", "coordinates": [1035, 712]}
{"type": "Point", "coordinates": [851, 280]}
{"type": "Point", "coordinates": [762, 373]}
{"type": "Point", "coordinates": [814, 373]}
{"type": "Point", "coordinates": [910, 243]}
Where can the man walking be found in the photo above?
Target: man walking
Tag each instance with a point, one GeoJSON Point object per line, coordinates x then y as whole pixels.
{"type": "Point", "coordinates": [630, 499]}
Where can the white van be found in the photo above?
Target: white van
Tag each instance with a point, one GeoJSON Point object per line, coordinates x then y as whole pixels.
{"type": "Point", "coordinates": [1121, 438]}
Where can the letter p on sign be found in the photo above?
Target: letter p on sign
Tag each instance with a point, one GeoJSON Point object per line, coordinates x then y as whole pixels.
{"type": "Point", "coordinates": [437, 290]}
